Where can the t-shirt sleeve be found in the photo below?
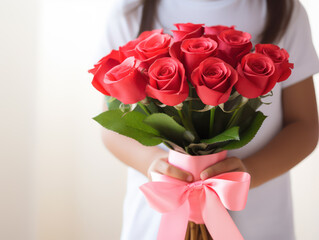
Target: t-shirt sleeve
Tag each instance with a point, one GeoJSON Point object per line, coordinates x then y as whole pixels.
{"type": "Point", "coordinates": [298, 42]}
{"type": "Point", "coordinates": [121, 26]}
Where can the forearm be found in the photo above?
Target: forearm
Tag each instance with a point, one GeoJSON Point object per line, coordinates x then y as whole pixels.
{"type": "Point", "coordinates": [131, 152]}
{"type": "Point", "coordinates": [293, 143]}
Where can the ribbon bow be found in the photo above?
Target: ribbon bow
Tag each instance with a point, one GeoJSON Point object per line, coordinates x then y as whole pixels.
{"type": "Point", "coordinates": [201, 201]}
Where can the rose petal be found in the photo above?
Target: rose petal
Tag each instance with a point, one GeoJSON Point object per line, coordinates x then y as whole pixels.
{"type": "Point", "coordinates": [108, 62]}
{"type": "Point", "coordinates": [168, 97]}
{"type": "Point", "coordinates": [213, 80]}
{"type": "Point", "coordinates": [167, 81]}
{"type": "Point", "coordinates": [256, 75]}
{"type": "Point", "coordinates": [279, 56]}
{"type": "Point", "coordinates": [233, 45]}
{"type": "Point", "coordinates": [215, 30]}
{"type": "Point", "coordinates": [125, 82]}
{"type": "Point", "coordinates": [128, 50]}
{"type": "Point", "coordinates": [101, 68]}
{"type": "Point", "coordinates": [195, 50]}
{"type": "Point", "coordinates": [246, 87]}
{"type": "Point", "coordinates": [187, 30]}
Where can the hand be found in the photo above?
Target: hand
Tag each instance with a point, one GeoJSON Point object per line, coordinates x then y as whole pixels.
{"type": "Point", "coordinates": [162, 166]}
{"type": "Point", "coordinates": [232, 164]}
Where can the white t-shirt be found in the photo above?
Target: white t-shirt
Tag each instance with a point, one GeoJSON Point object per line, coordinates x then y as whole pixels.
{"type": "Point", "coordinates": [268, 213]}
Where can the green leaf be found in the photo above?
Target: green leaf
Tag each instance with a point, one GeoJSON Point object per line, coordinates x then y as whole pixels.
{"type": "Point", "coordinates": [169, 128]}
{"type": "Point", "coordinates": [248, 134]}
{"type": "Point", "coordinates": [229, 134]}
{"type": "Point", "coordinates": [129, 124]}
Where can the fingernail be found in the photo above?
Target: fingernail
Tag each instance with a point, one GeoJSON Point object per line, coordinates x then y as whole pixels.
{"type": "Point", "coordinates": [189, 178]}
{"type": "Point", "coordinates": [203, 175]}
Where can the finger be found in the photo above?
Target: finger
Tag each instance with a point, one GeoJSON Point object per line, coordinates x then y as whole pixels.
{"type": "Point", "coordinates": [165, 168]}
{"type": "Point", "coordinates": [228, 165]}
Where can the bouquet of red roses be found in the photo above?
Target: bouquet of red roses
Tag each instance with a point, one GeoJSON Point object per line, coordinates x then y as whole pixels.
{"type": "Point", "coordinates": [197, 91]}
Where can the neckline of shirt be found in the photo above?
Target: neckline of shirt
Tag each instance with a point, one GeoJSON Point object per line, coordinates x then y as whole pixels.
{"type": "Point", "coordinates": [202, 3]}
{"type": "Point", "coordinates": [206, 1]}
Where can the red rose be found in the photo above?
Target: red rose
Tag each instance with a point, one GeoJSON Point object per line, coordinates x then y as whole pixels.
{"type": "Point", "coordinates": [124, 81]}
{"type": "Point", "coordinates": [214, 80]}
{"type": "Point", "coordinates": [128, 50]}
{"type": "Point", "coordinates": [192, 51]}
{"type": "Point", "coordinates": [167, 81]}
{"type": "Point", "coordinates": [256, 75]}
{"type": "Point", "coordinates": [217, 29]}
{"type": "Point", "coordinates": [233, 45]}
{"type": "Point", "coordinates": [195, 50]}
{"type": "Point", "coordinates": [109, 61]}
{"type": "Point", "coordinates": [187, 30]}
{"type": "Point", "coordinates": [279, 56]}
{"type": "Point", "coordinates": [153, 47]}
{"type": "Point", "coordinates": [214, 31]}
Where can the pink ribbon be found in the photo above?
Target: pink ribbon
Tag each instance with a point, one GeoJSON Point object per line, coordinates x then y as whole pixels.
{"type": "Point", "coordinates": [201, 201]}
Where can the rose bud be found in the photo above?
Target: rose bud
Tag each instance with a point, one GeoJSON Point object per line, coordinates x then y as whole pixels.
{"type": "Point", "coordinates": [187, 30]}
{"type": "Point", "coordinates": [128, 50]}
{"type": "Point", "coordinates": [167, 81]}
{"type": "Point", "coordinates": [233, 45]}
{"type": "Point", "coordinates": [214, 80]}
{"type": "Point", "coordinates": [123, 82]}
{"type": "Point", "coordinates": [256, 75]}
{"type": "Point", "coordinates": [279, 56]}
{"type": "Point", "coordinates": [108, 62]}
{"type": "Point", "coordinates": [213, 31]}
{"type": "Point", "coordinates": [153, 47]}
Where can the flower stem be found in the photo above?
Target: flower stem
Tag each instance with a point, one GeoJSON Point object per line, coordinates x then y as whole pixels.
{"type": "Point", "coordinates": [204, 231]}
{"type": "Point", "coordinates": [187, 123]}
{"type": "Point", "coordinates": [211, 121]}
{"type": "Point", "coordinates": [234, 118]}
{"type": "Point", "coordinates": [187, 236]}
{"type": "Point", "coordinates": [144, 108]}
{"type": "Point", "coordinates": [190, 106]}
{"type": "Point", "coordinates": [183, 120]}
{"type": "Point", "coordinates": [193, 231]}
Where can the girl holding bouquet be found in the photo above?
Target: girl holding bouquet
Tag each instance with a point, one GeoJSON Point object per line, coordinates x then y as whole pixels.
{"type": "Point", "coordinates": [288, 135]}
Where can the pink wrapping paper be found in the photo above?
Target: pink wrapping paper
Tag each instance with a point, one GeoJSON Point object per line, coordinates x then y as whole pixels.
{"type": "Point", "coordinates": [194, 164]}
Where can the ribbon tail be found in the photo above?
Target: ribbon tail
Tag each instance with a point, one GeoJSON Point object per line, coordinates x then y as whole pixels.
{"type": "Point", "coordinates": [217, 219]}
{"type": "Point", "coordinates": [173, 225]}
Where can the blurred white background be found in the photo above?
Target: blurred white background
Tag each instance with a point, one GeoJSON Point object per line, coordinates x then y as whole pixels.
{"type": "Point", "coordinates": [58, 182]}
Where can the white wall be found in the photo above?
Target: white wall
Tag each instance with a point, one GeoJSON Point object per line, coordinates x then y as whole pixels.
{"type": "Point", "coordinates": [75, 199]}
{"type": "Point", "coordinates": [18, 41]}
{"type": "Point", "coordinates": [58, 182]}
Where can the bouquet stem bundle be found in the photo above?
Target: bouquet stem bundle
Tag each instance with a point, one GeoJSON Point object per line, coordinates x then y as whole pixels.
{"type": "Point", "coordinates": [197, 232]}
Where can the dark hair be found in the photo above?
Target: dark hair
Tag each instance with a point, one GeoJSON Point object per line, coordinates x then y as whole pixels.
{"type": "Point", "coordinates": [278, 16]}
